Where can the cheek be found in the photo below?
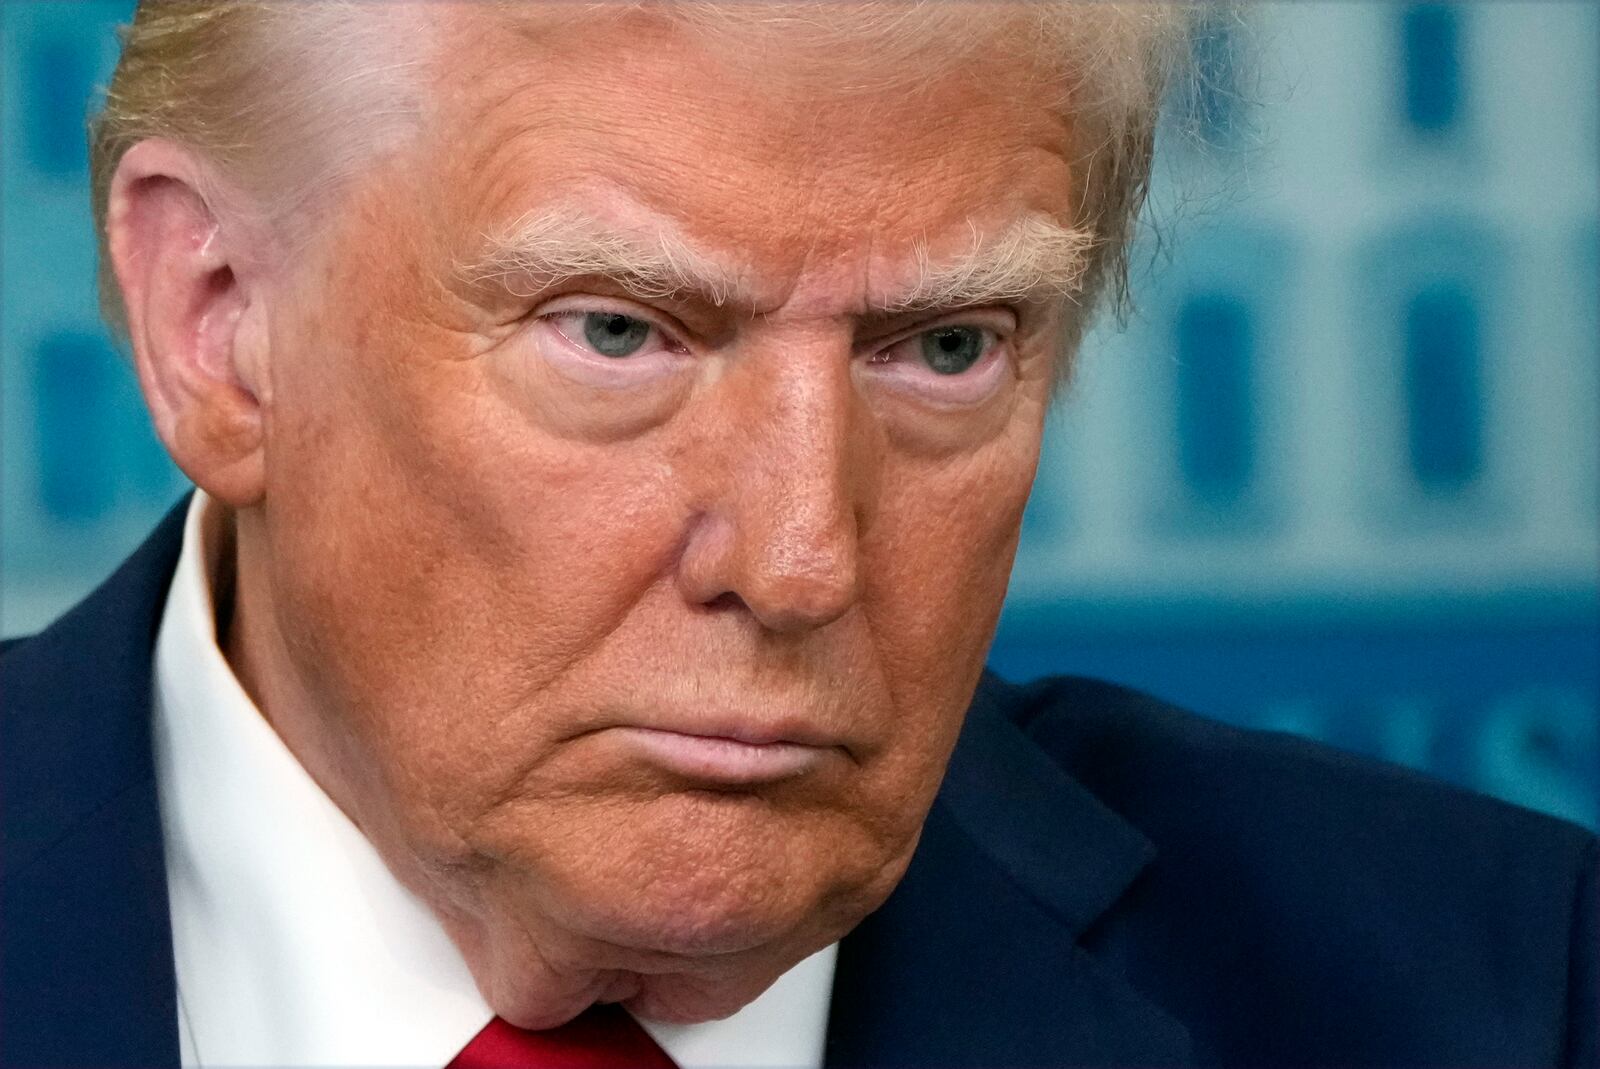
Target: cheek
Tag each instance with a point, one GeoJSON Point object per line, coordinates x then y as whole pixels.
{"type": "Point", "coordinates": [940, 552]}
{"type": "Point", "coordinates": [938, 559]}
{"type": "Point", "coordinates": [440, 562]}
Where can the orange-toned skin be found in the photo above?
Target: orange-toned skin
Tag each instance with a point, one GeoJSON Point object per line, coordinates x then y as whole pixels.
{"type": "Point", "coordinates": [468, 557]}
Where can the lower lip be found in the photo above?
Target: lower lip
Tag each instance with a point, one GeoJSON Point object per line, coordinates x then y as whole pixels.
{"type": "Point", "coordinates": [714, 759]}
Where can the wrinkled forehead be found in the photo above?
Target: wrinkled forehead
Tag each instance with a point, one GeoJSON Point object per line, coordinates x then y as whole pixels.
{"type": "Point", "coordinates": [786, 137]}
{"type": "Point", "coordinates": [843, 44]}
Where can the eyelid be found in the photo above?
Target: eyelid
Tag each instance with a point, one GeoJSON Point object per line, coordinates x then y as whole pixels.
{"type": "Point", "coordinates": [983, 318]}
{"type": "Point", "coordinates": [912, 379]}
{"type": "Point", "coordinates": [585, 303]}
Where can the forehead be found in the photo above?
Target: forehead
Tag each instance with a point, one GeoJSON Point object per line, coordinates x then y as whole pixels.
{"type": "Point", "coordinates": [786, 144]}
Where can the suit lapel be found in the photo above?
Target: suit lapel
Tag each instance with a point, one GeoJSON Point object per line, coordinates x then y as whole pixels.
{"type": "Point", "coordinates": [86, 969]}
{"type": "Point", "coordinates": [974, 960]}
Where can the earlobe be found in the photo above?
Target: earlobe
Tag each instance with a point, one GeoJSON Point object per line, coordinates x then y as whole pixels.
{"type": "Point", "coordinates": [190, 320]}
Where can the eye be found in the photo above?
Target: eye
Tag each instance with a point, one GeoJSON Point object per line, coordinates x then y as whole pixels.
{"type": "Point", "coordinates": [613, 335]}
{"type": "Point", "coordinates": [953, 350]}
{"type": "Point", "coordinates": [610, 334]}
{"type": "Point", "coordinates": [607, 343]}
{"type": "Point", "coordinates": [947, 351]}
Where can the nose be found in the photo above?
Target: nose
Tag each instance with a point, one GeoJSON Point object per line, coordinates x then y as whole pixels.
{"type": "Point", "coordinates": [780, 532]}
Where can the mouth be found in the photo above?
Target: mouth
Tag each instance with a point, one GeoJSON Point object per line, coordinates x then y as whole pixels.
{"type": "Point", "coordinates": [724, 760]}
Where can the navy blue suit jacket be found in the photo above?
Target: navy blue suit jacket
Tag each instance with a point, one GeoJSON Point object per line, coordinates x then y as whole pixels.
{"type": "Point", "coordinates": [1103, 880]}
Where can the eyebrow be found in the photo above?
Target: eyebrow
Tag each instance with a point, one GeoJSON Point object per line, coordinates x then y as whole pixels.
{"type": "Point", "coordinates": [1032, 258]}
{"type": "Point", "coordinates": [546, 248]}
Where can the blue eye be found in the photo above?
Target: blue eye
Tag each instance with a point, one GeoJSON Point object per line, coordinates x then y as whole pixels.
{"type": "Point", "coordinates": [614, 335]}
{"type": "Point", "coordinates": [952, 350]}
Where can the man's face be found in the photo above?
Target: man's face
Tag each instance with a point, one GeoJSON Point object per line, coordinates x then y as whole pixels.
{"type": "Point", "coordinates": [636, 629]}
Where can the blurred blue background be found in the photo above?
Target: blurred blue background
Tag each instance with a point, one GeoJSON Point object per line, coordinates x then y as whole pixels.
{"type": "Point", "coordinates": [1339, 476]}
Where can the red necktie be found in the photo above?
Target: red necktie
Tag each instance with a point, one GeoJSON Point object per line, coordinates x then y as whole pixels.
{"type": "Point", "coordinates": [601, 1037]}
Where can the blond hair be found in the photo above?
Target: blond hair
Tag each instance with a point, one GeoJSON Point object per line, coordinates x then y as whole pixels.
{"type": "Point", "coordinates": [256, 89]}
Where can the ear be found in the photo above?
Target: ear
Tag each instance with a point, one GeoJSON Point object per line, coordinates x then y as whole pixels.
{"type": "Point", "coordinates": [197, 336]}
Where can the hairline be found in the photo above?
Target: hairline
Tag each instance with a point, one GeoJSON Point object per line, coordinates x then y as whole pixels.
{"type": "Point", "coordinates": [1144, 36]}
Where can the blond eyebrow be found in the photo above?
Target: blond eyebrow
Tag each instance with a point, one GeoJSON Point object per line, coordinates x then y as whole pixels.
{"type": "Point", "coordinates": [546, 248]}
{"type": "Point", "coordinates": [1034, 258]}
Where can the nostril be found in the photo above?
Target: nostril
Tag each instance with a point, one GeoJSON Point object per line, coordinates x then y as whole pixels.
{"type": "Point", "coordinates": [726, 602]}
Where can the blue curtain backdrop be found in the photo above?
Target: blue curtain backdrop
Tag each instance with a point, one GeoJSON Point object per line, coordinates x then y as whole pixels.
{"type": "Point", "coordinates": [1338, 476]}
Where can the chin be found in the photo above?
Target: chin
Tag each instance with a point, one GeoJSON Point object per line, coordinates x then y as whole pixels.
{"type": "Point", "coordinates": [683, 909]}
{"type": "Point", "coordinates": [710, 911]}
{"type": "Point", "coordinates": [692, 876]}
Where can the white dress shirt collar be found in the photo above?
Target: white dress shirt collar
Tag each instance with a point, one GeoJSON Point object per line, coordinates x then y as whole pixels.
{"type": "Point", "coordinates": [294, 944]}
